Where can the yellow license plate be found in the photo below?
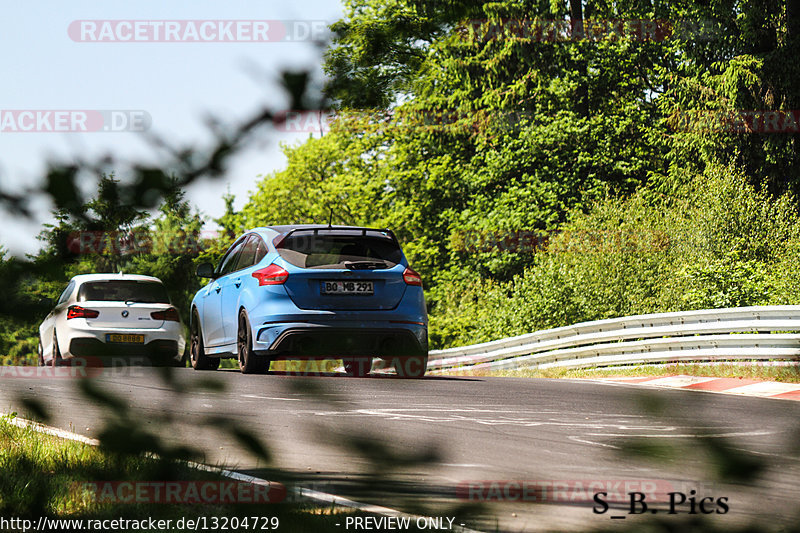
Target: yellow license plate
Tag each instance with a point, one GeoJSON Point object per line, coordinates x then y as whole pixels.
{"type": "Point", "coordinates": [129, 339]}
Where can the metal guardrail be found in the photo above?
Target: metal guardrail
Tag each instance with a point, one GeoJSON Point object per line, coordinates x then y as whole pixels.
{"type": "Point", "coordinates": [709, 334]}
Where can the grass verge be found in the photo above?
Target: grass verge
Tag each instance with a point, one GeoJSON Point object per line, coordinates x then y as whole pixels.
{"type": "Point", "coordinates": [46, 476]}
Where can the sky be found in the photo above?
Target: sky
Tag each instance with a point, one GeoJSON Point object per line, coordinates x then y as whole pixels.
{"type": "Point", "coordinates": [60, 57]}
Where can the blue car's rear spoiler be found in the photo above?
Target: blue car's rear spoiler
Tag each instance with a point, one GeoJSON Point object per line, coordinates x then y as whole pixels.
{"type": "Point", "coordinates": [283, 236]}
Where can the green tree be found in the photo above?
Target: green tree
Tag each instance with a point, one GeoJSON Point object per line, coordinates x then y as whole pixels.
{"type": "Point", "coordinates": [174, 244]}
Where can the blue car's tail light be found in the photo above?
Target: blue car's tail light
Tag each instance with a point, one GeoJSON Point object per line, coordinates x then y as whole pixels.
{"type": "Point", "coordinates": [271, 275]}
{"type": "Point", "coordinates": [412, 278]}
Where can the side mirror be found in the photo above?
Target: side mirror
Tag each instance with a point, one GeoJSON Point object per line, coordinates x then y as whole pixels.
{"type": "Point", "coordinates": [206, 270]}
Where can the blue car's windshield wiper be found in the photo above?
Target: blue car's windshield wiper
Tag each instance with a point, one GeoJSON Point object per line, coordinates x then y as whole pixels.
{"type": "Point", "coordinates": [365, 265]}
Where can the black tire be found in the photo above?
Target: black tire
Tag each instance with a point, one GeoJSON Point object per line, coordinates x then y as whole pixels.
{"type": "Point", "coordinates": [411, 367]}
{"type": "Point", "coordinates": [56, 360]}
{"type": "Point", "coordinates": [184, 358]}
{"type": "Point", "coordinates": [358, 367]}
{"type": "Point", "coordinates": [178, 362]}
{"type": "Point", "coordinates": [249, 363]}
{"type": "Point", "coordinates": [197, 352]}
{"type": "Point", "coordinates": [40, 352]}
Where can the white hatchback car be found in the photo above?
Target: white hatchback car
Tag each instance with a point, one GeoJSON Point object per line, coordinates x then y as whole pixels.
{"type": "Point", "coordinates": [103, 317]}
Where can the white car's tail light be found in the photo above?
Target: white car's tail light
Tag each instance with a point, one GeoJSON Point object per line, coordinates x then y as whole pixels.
{"type": "Point", "coordinates": [76, 311]}
{"type": "Point", "coordinates": [170, 315]}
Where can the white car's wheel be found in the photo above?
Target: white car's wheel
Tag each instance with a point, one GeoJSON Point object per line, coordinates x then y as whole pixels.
{"type": "Point", "coordinates": [40, 352]}
{"type": "Point", "coordinates": [56, 359]}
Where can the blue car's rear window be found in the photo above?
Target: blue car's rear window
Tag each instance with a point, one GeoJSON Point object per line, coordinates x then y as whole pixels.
{"type": "Point", "coordinates": [305, 249]}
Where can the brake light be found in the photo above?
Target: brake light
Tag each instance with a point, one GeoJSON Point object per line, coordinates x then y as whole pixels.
{"type": "Point", "coordinates": [272, 275]}
{"type": "Point", "coordinates": [76, 311]}
{"type": "Point", "coordinates": [170, 315]}
{"type": "Point", "coordinates": [412, 278]}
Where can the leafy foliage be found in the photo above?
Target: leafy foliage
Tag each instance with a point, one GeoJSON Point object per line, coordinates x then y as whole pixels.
{"type": "Point", "coordinates": [726, 245]}
{"type": "Point", "coordinates": [453, 123]}
{"type": "Point", "coordinates": [477, 125]}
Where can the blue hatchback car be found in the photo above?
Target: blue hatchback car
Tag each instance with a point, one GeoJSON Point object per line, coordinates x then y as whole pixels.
{"type": "Point", "coordinates": [311, 292]}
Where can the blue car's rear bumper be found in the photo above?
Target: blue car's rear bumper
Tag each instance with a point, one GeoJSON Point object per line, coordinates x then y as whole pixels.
{"type": "Point", "coordinates": [337, 338]}
{"type": "Point", "coordinates": [280, 328]}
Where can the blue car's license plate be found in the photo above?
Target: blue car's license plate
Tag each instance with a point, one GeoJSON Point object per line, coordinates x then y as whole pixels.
{"type": "Point", "coordinates": [361, 288]}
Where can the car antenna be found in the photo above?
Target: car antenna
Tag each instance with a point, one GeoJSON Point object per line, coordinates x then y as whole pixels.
{"type": "Point", "coordinates": [330, 218]}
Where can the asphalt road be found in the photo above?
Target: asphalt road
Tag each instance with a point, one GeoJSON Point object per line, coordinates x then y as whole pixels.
{"type": "Point", "coordinates": [437, 444]}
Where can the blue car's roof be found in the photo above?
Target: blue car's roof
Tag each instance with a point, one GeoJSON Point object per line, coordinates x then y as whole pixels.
{"type": "Point", "coordinates": [270, 232]}
{"type": "Point", "coordinates": [289, 227]}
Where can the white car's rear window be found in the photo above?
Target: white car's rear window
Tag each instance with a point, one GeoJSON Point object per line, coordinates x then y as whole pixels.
{"type": "Point", "coordinates": [123, 291]}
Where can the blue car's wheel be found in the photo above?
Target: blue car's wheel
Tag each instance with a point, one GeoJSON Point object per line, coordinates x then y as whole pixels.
{"type": "Point", "coordinates": [197, 352]}
{"type": "Point", "coordinates": [249, 363]}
